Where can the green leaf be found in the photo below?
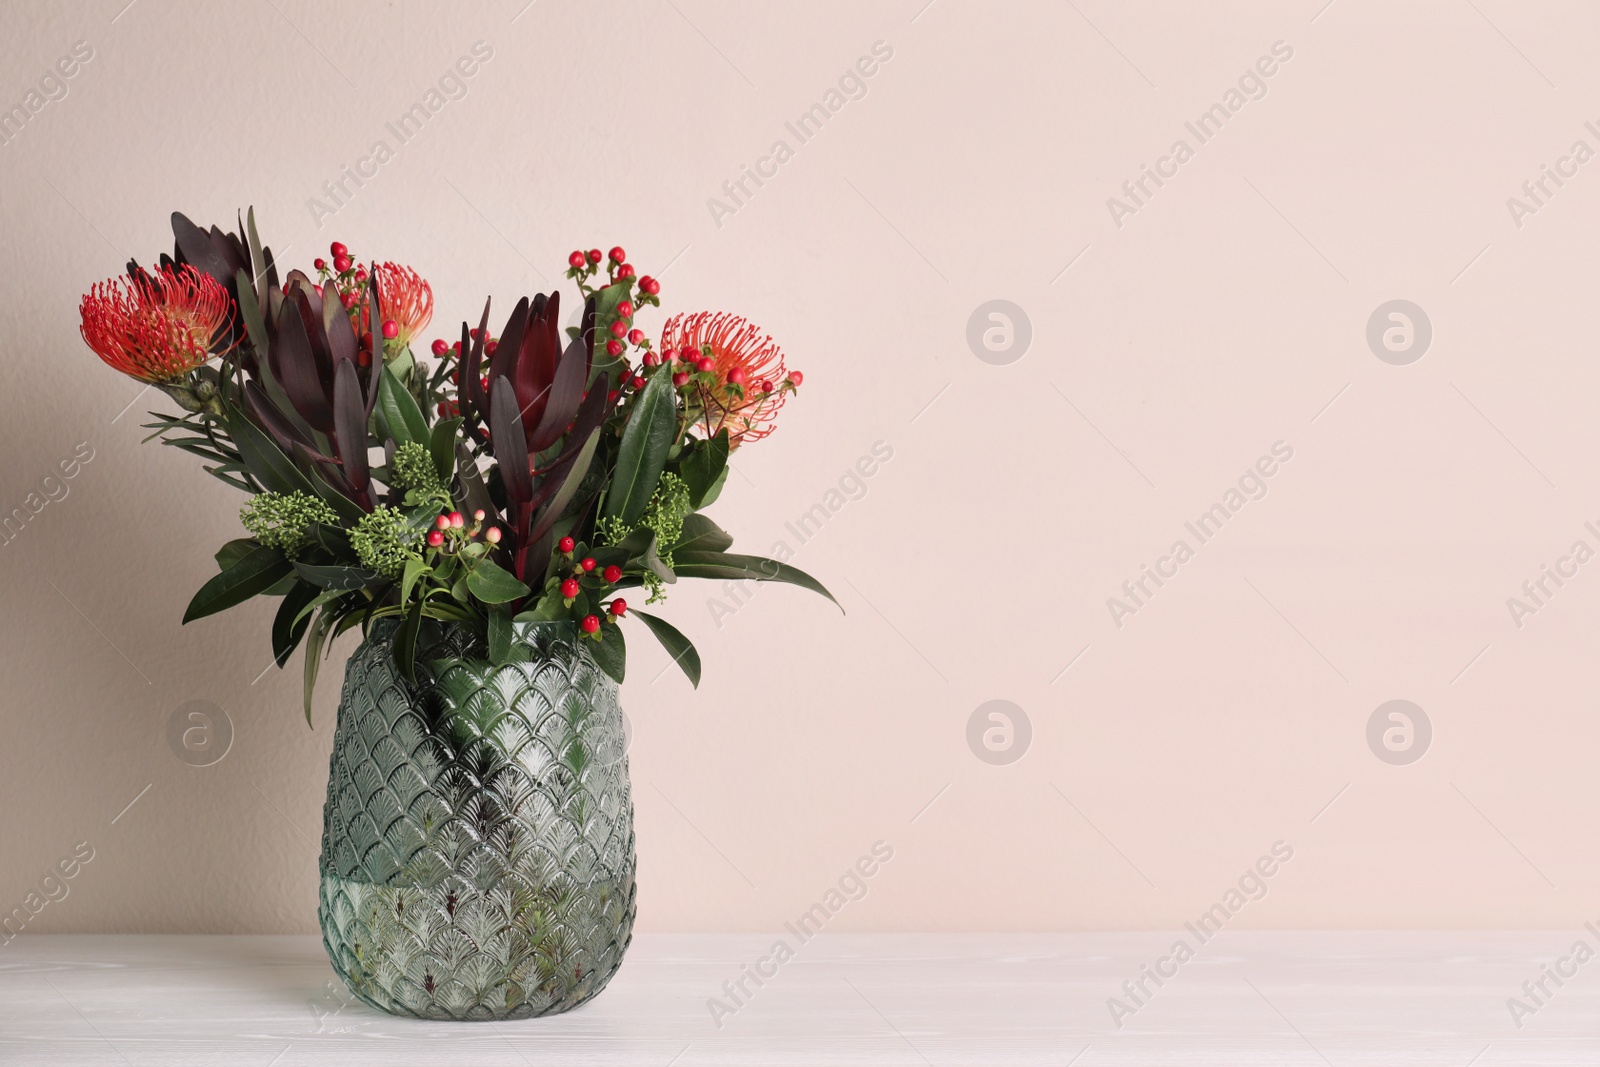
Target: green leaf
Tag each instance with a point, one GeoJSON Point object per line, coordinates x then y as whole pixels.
{"type": "Point", "coordinates": [678, 646]}
{"type": "Point", "coordinates": [338, 576]}
{"type": "Point", "coordinates": [643, 453]}
{"type": "Point", "coordinates": [705, 467]}
{"type": "Point", "coordinates": [254, 573]}
{"type": "Point", "coordinates": [715, 490]}
{"type": "Point", "coordinates": [690, 564]}
{"type": "Point", "coordinates": [316, 637]}
{"type": "Point", "coordinates": [575, 475]}
{"type": "Point", "coordinates": [493, 584]}
{"type": "Point", "coordinates": [249, 310]}
{"type": "Point", "coordinates": [499, 637]}
{"type": "Point", "coordinates": [442, 446]}
{"type": "Point", "coordinates": [261, 454]}
{"type": "Point", "coordinates": [289, 626]}
{"type": "Point", "coordinates": [234, 551]}
{"type": "Point", "coordinates": [402, 419]}
{"type": "Point", "coordinates": [548, 609]}
{"type": "Point", "coordinates": [405, 642]}
{"type": "Point", "coordinates": [415, 569]}
{"type": "Point", "coordinates": [322, 598]}
{"type": "Point", "coordinates": [700, 534]}
{"type": "Point", "coordinates": [611, 652]}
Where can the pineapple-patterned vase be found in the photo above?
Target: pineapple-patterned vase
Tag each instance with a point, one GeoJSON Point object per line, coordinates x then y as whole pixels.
{"type": "Point", "coordinates": [477, 842]}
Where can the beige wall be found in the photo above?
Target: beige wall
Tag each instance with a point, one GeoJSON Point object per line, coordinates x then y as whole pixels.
{"type": "Point", "coordinates": [1226, 314]}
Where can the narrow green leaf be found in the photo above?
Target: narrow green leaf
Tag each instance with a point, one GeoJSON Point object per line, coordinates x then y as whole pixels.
{"type": "Point", "coordinates": [729, 565]}
{"type": "Point", "coordinates": [316, 636]}
{"type": "Point", "coordinates": [289, 625]}
{"type": "Point", "coordinates": [493, 584]}
{"type": "Point", "coordinates": [266, 460]}
{"type": "Point", "coordinates": [254, 325]}
{"type": "Point", "coordinates": [499, 637]}
{"type": "Point", "coordinates": [678, 646]}
{"type": "Point", "coordinates": [255, 573]}
{"type": "Point", "coordinates": [405, 642]}
{"type": "Point", "coordinates": [611, 652]}
{"type": "Point", "coordinates": [415, 569]}
{"type": "Point", "coordinates": [575, 475]}
{"type": "Point", "coordinates": [442, 446]}
{"type": "Point", "coordinates": [338, 576]}
{"type": "Point", "coordinates": [643, 453]}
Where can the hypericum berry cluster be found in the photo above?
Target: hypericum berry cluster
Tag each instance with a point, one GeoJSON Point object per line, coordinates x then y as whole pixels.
{"type": "Point", "coordinates": [284, 520]}
{"type": "Point", "coordinates": [584, 577]}
{"type": "Point", "coordinates": [451, 533]}
{"type": "Point", "coordinates": [346, 279]}
{"type": "Point", "coordinates": [446, 352]}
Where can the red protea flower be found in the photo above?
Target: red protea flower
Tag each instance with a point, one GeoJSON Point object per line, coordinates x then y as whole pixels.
{"type": "Point", "coordinates": [406, 299]}
{"type": "Point", "coordinates": [748, 366]}
{"type": "Point", "coordinates": [157, 327]}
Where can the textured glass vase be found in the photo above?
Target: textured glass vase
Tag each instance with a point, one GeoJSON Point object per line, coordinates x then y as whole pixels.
{"type": "Point", "coordinates": [477, 842]}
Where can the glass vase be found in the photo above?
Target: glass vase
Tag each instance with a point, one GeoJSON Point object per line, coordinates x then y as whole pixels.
{"type": "Point", "coordinates": [477, 845]}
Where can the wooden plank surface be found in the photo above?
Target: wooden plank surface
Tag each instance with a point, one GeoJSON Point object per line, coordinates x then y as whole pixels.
{"type": "Point", "coordinates": [1285, 998]}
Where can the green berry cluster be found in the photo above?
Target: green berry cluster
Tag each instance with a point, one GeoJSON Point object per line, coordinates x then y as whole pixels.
{"type": "Point", "coordinates": [668, 507]}
{"type": "Point", "coordinates": [384, 540]}
{"type": "Point", "coordinates": [284, 520]}
{"type": "Point", "coordinates": [413, 468]}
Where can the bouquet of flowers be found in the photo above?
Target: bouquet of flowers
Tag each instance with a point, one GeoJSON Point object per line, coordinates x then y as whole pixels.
{"type": "Point", "coordinates": [533, 475]}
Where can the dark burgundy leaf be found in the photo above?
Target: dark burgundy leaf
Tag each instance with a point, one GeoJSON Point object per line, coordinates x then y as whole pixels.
{"type": "Point", "coordinates": [566, 392]}
{"type": "Point", "coordinates": [505, 356]}
{"type": "Point", "coordinates": [349, 414]}
{"type": "Point", "coordinates": [510, 446]}
{"type": "Point", "coordinates": [295, 367]}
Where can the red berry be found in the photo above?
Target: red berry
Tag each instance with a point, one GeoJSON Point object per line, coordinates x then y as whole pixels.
{"type": "Point", "coordinates": [588, 563]}
{"type": "Point", "coordinates": [338, 249]}
{"type": "Point", "coordinates": [688, 355]}
{"type": "Point", "coordinates": [569, 588]}
{"type": "Point", "coordinates": [705, 363]}
{"type": "Point", "coordinates": [566, 544]}
{"type": "Point", "coordinates": [737, 376]}
{"type": "Point", "coordinates": [614, 348]}
{"type": "Point", "coordinates": [612, 573]}
{"type": "Point", "coordinates": [638, 381]}
{"type": "Point", "coordinates": [625, 309]}
{"type": "Point", "coordinates": [576, 260]}
{"type": "Point", "coordinates": [590, 624]}
{"type": "Point", "coordinates": [595, 256]}
{"type": "Point", "coordinates": [439, 347]}
{"type": "Point", "coordinates": [625, 271]}
{"type": "Point", "coordinates": [611, 397]}
{"type": "Point", "coordinates": [489, 347]}
{"type": "Point", "coordinates": [435, 538]}
{"type": "Point", "coordinates": [649, 285]}
{"type": "Point", "coordinates": [366, 342]}
{"type": "Point", "coordinates": [492, 535]}
{"type": "Point", "coordinates": [651, 359]}
{"type": "Point", "coordinates": [443, 522]}
{"type": "Point", "coordinates": [457, 520]}
{"type": "Point", "coordinates": [619, 328]}
{"type": "Point", "coordinates": [618, 255]}
{"type": "Point", "coordinates": [361, 274]}
{"type": "Point", "coordinates": [320, 263]}
{"type": "Point", "coordinates": [680, 379]}
{"type": "Point", "coordinates": [764, 385]}
{"type": "Point", "coordinates": [341, 262]}
{"type": "Point", "coordinates": [635, 337]}
{"type": "Point", "coordinates": [347, 299]}
{"type": "Point", "coordinates": [796, 377]}
{"type": "Point", "coordinates": [391, 329]}
{"type": "Point", "coordinates": [444, 408]}
{"type": "Point", "coordinates": [364, 358]}
{"type": "Point", "coordinates": [619, 607]}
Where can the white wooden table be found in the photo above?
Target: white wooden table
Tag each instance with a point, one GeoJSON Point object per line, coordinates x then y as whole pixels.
{"type": "Point", "coordinates": [1335, 998]}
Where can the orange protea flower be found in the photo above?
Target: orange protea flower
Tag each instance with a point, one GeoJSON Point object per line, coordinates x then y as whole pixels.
{"type": "Point", "coordinates": [406, 299]}
{"type": "Point", "coordinates": [157, 327]}
{"type": "Point", "coordinates": [750, 384]}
